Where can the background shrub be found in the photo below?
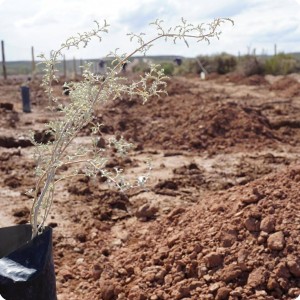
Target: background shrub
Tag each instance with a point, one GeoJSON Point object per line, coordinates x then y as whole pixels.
{"type": "Point", "coordinates": [188, 66]}
{"type": "Point", "coordinates": [281, 64]}
{"type": "Point", "coordinates": [225, 63]}
{"type": "Point", "coordinates": [249, 65]}
{"type": "Point", "coordinates": [168, 68]}
{"type": "Point", "coordinates": [222, 63]}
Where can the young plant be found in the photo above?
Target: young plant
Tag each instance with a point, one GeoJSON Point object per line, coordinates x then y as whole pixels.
{"type": "Point", "coordinates": [84, 97]}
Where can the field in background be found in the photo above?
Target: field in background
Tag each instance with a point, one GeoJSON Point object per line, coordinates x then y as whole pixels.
{"type": "Point", "coordinates": [280, 64]}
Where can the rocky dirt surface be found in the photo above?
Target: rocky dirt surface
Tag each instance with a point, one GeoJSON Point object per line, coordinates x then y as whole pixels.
{"type": "Point", "coordinates": [220, 216]}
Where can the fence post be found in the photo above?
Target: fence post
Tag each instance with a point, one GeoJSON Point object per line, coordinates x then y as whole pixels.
{"type": "Point", "coordinates": [65, 68]}
{"type": "Point", "coordinates": [81, 66]}
{"type": "Point", "coordinates": [74, 68]}
{"type": "Point", "coordinates": [32, 63]}
{"type": "Point", "coordinates": [3, 61]}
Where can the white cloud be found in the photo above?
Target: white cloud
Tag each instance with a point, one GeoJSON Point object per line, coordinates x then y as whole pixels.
{"type": "Point", "coordinates": [44, 24]}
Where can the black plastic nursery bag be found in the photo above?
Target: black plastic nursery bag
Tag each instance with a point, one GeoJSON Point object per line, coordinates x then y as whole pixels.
{"type": "Point", "coordinates": [26, 266]}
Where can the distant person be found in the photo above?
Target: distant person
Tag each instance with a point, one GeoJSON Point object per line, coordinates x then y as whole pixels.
{"type": "Point", "coordinates": [25, 93]}
{"type": "Point", "coordinates": [101, 64]}
{"type": "Point", "coordinates": [102, 67]}
{"type": "Point", "coordinates": [124, 67]}
{"type": "Point", "coordinates": [178, 61]}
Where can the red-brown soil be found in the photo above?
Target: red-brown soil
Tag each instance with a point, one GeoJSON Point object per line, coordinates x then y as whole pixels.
{"type": "Point", "coordinates": [220, 216]}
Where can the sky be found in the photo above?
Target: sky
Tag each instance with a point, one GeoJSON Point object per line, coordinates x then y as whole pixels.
{"type": "Point", "coordinates": [46, 24]}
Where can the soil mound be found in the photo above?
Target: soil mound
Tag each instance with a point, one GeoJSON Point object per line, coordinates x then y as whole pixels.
{"type": "Point", "coordinates": [231, 77]}
{"type": "Point", "coordinates": [254, 80]}
{"type": "Point", "coordinates": [190, 124]}
{"type": "Point", "coordinates": [8, 116]}
{"type": "Point", "coordinates": [283, 83]}
{"type": "Point", "coordinates": [175, 87]}
{"type": "Point", "coordinates": [289, 86]}
{"type": "Point", "coordinates": [242, 79]}
{"type": "Point", "coordinates": [104, 205]}
{"type": "Point", "coordinates": [240, 245]}
{"type": "Point", "coordinates": [231, 124]}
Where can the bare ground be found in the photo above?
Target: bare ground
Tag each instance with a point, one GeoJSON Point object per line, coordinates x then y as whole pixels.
{"type": "Point", "coordinates": [220, 217]}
